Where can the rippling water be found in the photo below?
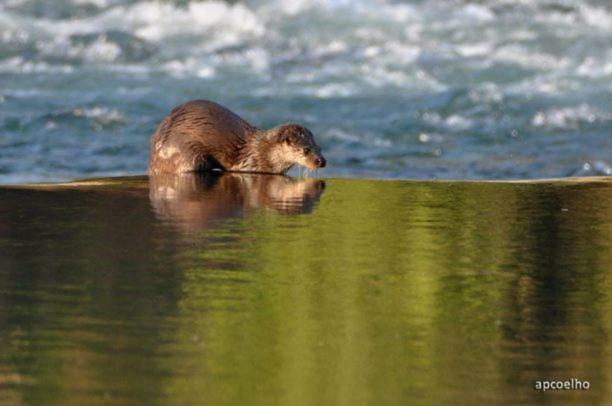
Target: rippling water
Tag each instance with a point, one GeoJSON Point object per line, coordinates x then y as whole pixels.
{"type": "Point", "coordinates": [424, 89]}
{"type": "Point", "coordinates": [268, 290]}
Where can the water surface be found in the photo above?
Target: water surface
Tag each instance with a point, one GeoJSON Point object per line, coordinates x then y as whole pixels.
{"type": "Point", "coordinates": [270, 290]}
{"type": "Point", "coordinates": [489, 89]}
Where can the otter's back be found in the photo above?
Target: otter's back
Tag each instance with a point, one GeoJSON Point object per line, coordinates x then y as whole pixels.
{"type": "Point", "coordinates": [202, 128]}
{"type": "Point", "coordinates": [207, 120]}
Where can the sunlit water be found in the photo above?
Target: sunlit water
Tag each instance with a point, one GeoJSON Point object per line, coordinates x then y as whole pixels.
{"type": "Point", "coordinates": [423, 89]}
{"type": "Point", "coordinates": [268, 290]}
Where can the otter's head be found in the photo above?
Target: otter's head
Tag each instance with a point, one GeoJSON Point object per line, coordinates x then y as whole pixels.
{"type": "Point", "coordinates": [299, 147]}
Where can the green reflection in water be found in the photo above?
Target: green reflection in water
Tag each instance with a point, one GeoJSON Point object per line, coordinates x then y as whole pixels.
{"type": "Point", "coordinates": [263, 289]}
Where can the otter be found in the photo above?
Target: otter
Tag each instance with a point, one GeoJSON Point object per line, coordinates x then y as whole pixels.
{"type": "Point", "coordinates": [201, 136]}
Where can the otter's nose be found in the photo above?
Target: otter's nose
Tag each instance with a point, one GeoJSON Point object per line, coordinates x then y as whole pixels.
{"type": "Point", "coordinates": [320, 162]}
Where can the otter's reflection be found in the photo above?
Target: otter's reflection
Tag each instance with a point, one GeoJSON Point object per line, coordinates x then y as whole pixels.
{"type": "Point", "coordinates": [199, 200]}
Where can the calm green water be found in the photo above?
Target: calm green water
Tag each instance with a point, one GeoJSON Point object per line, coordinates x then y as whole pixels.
{"type": "Point", "coordinates": [267, 290]}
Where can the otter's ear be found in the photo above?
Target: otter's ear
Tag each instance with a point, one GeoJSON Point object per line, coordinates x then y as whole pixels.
{"type": "Point", "coordinates": [286, 134]}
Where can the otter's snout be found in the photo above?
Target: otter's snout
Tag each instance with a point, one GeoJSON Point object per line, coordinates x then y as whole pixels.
{"type": "Point", "coordinates": [320, 162]}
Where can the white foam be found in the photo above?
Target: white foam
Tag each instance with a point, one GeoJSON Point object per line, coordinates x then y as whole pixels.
{"type": "Point", "coordinates": [523, 56]}
{"type": "Point", "coordinates": [458, 122]}
{"type": "Point", "coordinates": [216, 23]}
{"type": "Point", "coordinates": [373, 140]}
{"type": "Point", "coordinates": [375, 42]}
{"type": "Point", "coordinates": [474, 49]}
{"type": "Point", "coordinates": [100, 114]}
{"type": "Point", "coordinates": [597, 17]}
{"type": "Point", "coordinates": [19, 64]}
{"type": "Point", "coordinates": [569, 117]}
{"type": "Point", "coordinates": [102, 50]}
{"type": "Point", "coordinates": [334, 90]}
{"type": "Point", "coordinates": [156, 20]}
{"type": "Point", "coordinates": [595, 67]}
{"type": "Point", "coordinates": [97, 3]}
{"type": "Point", "coordinates": [188, 66]}
{"type": "Point", "coordinates": [476, 12]}
{"type": "Point", "coordinates": [427, 138]}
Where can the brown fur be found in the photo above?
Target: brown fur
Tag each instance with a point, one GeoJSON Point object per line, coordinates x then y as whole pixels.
{"type": "Point", "coordinates": [201, 135]}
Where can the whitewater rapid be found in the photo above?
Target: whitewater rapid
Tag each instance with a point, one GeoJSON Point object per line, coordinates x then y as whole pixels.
{"type": "Point", "coordinates": [427, 89]}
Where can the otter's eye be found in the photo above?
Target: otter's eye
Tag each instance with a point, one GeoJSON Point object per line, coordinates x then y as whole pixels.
{"type": "Point", "coordinates": [306, 151]}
